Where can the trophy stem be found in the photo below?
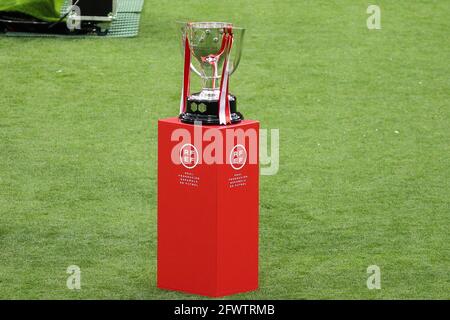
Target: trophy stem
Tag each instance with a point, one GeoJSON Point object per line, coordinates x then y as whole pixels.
{"type": "Point", "coordinates": [211, 77]}
{"type": "Point", "coordinates": [210, 84]}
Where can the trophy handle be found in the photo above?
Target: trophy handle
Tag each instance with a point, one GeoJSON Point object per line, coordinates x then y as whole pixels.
{"type": "Point", "coordinates": [236, 49]}
{"type": "Point", "coordinates": [195, 70]}
{"type": "Point", "coordinates": [182, 25]}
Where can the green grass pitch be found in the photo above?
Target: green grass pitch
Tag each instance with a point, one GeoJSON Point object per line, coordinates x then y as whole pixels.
{"type": "Point", "coordinates": [364, 120]}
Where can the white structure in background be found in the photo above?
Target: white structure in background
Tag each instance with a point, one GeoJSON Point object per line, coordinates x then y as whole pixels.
{"type": "Point", "coordinates": [99, 12]}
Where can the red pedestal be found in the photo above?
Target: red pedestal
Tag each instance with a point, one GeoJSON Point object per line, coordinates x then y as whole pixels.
{"type": "Point", "coordinates": [207, 207]}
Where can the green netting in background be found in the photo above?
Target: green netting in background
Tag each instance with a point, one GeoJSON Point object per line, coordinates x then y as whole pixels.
{"type": "Point", "coordinates": [47, 10]}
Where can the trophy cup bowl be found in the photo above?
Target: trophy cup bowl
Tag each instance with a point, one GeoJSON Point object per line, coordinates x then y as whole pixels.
{"type": "Point", "coordinates": [208, 61]}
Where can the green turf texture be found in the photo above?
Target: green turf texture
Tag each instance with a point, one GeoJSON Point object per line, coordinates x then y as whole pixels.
{"type": "Point", "coordinates": [364, 156]}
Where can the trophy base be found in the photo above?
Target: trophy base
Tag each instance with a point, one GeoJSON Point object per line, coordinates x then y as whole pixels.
{"type": "Point", "coordinates": [206, 111]}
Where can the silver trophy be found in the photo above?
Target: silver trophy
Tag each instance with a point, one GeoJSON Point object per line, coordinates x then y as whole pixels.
{"type": "Point", "coordinates": [213, 47]}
